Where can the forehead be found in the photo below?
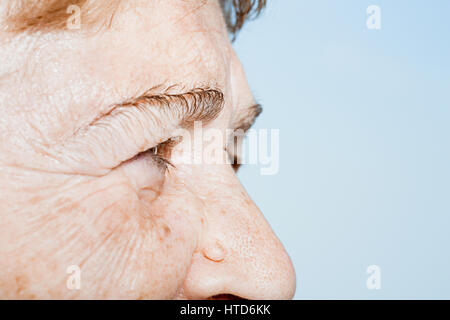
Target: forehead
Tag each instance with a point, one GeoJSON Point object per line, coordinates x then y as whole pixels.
{"type": "Point", "coordinates": [181, 36]}
{"type": "Point", "coordinates": [147, 43]}
{"type": "Point", "coordinates": [188, 40]}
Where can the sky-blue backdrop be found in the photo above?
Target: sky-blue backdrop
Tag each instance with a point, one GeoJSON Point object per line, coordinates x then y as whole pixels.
{"type": "Point", "coordinates": [364, 119]}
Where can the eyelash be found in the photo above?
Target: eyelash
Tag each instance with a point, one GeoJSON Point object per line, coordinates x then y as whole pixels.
{"type": "Point", "coordinates": [161, 162]}
{"type": "Point", "coordinates": [161, 154]}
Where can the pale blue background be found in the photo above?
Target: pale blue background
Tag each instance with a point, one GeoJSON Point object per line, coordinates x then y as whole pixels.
{"type": "Point", "coordinates": [364, 119]}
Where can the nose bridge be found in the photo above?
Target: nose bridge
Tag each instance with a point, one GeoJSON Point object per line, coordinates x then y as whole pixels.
{"type": "Point", "coordinates": [239, 254]}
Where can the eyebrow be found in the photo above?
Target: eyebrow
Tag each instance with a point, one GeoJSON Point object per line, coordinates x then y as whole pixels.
{"type": "Point", "coordinates": [150, 119]}
{"type": "Point", "coordinates": [246, 117]}
{"type": "Point", "coordinates": [199, 104]}
{"type": "Point", "coordinates": [146, 120]}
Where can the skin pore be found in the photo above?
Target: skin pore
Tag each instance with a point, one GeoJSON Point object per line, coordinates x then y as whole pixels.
{"type": "Point", "coordinates": [77, 186]}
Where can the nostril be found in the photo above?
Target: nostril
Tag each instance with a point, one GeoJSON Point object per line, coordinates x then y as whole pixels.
{"type": "Point", "coordinates": [225, 297]}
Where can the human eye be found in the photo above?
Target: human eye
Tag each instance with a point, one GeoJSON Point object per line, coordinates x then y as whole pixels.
{"type": "Point", "coordinates": [160, 155]}
{"type": "Point", "coordinates": [147, 171]}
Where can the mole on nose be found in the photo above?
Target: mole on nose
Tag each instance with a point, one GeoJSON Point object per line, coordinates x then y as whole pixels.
{"type": "Point", "coordinates": [215, 253]}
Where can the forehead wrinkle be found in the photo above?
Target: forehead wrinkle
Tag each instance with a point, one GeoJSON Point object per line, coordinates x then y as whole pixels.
{"type": "Point", "coordinates": [190, 11]}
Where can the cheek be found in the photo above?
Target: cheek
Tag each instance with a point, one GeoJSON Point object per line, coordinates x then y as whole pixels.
{"type": "Point", "coordinates": [165, 255]}
{"type": "Point", "coordinates": [125, 245]}
{"type": "Point", "coordinates": [176, 222]}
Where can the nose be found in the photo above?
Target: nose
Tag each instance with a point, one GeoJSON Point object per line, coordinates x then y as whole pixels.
{"type": "Point", "coordinates": [238, 254]}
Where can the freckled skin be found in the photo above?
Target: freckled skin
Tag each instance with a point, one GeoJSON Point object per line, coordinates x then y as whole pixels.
{"type": "Point", "coordinates": [134, 232]}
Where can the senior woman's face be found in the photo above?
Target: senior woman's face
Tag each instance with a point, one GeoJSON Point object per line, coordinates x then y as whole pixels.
{"type": "Point", "coordinates": [85, 193]}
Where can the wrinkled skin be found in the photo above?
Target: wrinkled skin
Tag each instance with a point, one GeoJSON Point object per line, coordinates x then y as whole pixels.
{"type": "Point", "coordinates": [135, 231]}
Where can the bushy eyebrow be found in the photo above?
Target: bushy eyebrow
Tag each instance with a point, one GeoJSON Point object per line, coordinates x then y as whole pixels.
{"type": "Point", "coordinates": [199, 104]}
{"type": "Point", "coordinates": [141, 122]}
{"type": "Point", "coordinates": [158, 112]}
{"type": "Point", "coordinates": [246, 117]}
{"type": "Point", "coordinates": [147, 120]}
